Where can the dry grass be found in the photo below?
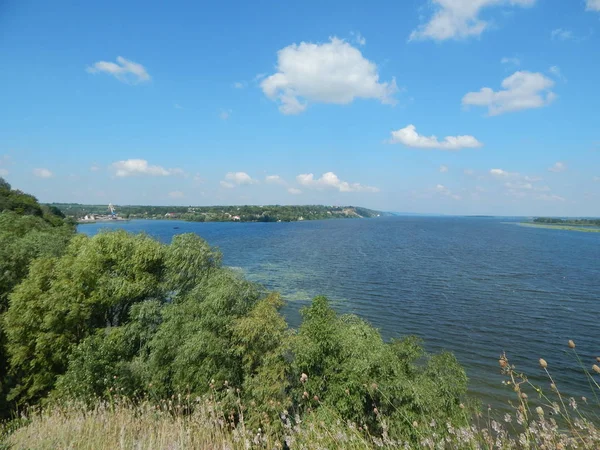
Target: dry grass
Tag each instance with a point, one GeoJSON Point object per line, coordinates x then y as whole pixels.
{"type": "Point", "coordinates": [123, 425]}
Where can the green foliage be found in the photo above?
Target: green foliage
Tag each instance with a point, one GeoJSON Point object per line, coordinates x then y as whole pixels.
{"type": "Point", "coordinates": [27, 231]}
{"type": "Point", "coordinates": [64, 300]}
{"type": "Point", "coordinates": [261, 339]}
{"type": "Point", "coordinates": [193, 344]}
{"type": "Point", "coordinates": [189, 261]}
{"type": "Point", "coordinates": [107, 362]}
{"type": "Point", "coordinates": [352, 371]}
{"type": "Point", "coordinates": [22, 239]}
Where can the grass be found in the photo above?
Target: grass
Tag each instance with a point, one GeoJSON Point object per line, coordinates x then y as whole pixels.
{"type": "Point", "coordinates": [541, 418]}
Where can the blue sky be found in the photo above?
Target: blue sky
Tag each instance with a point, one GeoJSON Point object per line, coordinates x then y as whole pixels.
{"type": "Point", "coordinates": [430, 106]}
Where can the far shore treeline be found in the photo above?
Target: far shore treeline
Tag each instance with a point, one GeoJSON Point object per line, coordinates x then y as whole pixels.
{"type": "Point", "coordinates": [243, 213]}
{"type": "Point", "coordinates": [568, 221]}
{"type": "Point", "coordinates": [121, 341]}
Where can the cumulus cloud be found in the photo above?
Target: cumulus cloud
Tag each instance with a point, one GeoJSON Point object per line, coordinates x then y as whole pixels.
{"type": "Point", "coordinates": [132, 167]}
{"type": "Point", "coordinates": [558, 167]}
{"type": "Point", "coordinates": [459, 19]}
{"type": "Point", "coordinates": [561, 34]}
{"type": "Point", "coordinates": [95, 167]}
{"type": "Point", "coordinates": [233, 179]}
{"type": "Point", "coordinates": [333, 72]}
{"type": "Point", "coordinates": [42, 173]}
{"type": "Point", "coordinates": [123, 70]}
{"type": "Point", "coordinates": [176, 194]}
{"type": "Point", "coordinates": [274, 179]}
{"type": "Point", "coordinates": [294, 191]}
{"type": "Point", "coordinates": [521, 90]}
{"type": "Point", "coordinates": [443, 169]}
{"type": "Point", "coordinates": [331, 180]}
{"type": "Point", "coordinates": [499, 173]}
{"type": "Point", "coordinates": [592, 5]}
{"type": "Point", "coordinates": [409, 137]}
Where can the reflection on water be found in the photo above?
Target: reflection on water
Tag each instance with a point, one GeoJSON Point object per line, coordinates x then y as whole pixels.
{"type": "Point", "coordinates": [475, 286]}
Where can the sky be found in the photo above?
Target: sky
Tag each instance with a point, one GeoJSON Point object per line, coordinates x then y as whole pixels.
{"type": "Point", "coordinates": [421, 106]}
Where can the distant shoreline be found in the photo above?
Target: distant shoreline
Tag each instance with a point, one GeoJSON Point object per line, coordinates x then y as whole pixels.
{"type": "Point", "coordinates": [560, 227]}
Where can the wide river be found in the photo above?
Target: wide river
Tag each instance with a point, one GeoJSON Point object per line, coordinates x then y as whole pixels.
{"type": "Point", "coordinates": [474, 286]}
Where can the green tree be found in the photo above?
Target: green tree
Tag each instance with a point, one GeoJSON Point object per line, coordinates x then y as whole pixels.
{"type": "Point", "coordinates": [63, 300]}
{"type": "Point", "coordinates": [349, 369]}
{"type": "Point", "coordinates": [261, 340]}
{"type": "Point", "coordinates": [193, 344]}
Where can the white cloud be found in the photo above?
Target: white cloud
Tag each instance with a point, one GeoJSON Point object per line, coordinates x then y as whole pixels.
{"type": "Point", "coordinates": [440, 188]}
{"type": "Point", "coordinates": [3, 172]}
{"type": "Point", "coordinates": [597, 179]}
{"type": "Point", "coordinates": [558, 167]}
{"type": "Point", "coordinates": [132, 167]}
{"type": "Point", "coordinates": [561, 34]}
{"type": "Point", "coordinates": [358, 38]}
{"type": "Point", "coordinates": [274, 179]}
{"type": "Point", "coordinates": [176, 194]}
{"type": "Point", "coordinates": [95, 167]}
{"type": "Point", "coordinates": [225, 114]}
{"type": "Point", "coordinates": [459, 19]}
{"type": "Point", "coordinates": [499, 173]}
{"type": "Point", "coordinates": [443, 169]}
{"type": "Point", "coordinates": [124, 70]}
{"type": "Point", "coordinates": [294, 191]}
{"type": "Point", "coordinates": [592, 5]}
{"type": "Point", "coordinates": [233, 179]}
{"type": "Point", "coordinates": [409, 137]}
{"type": "Point", "coordinates": [239, 84]}
{"type": "Point", "coordinates": [333, 72]}
{"type": "Point", "coordinates": [42, 173]}
{"type": "Point", "coordinates": [469, 172]}
{"type": "Point", "coordinates": [331, 180]}
{"type": "Point", "coordinates": [514, 61]}
{"type": "Point", "coordinates": [227, 185]}
{"type": "Point", "coordinates": [522, 90]}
